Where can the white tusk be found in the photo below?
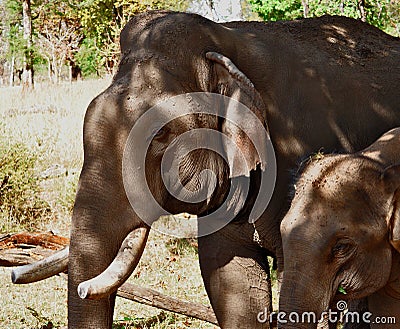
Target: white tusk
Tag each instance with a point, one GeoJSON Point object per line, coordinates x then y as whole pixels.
{"type": "Point", "coordinates": [119, 270]}
{"type": "Point", "coordinates": [42, 269]}
{"type": "Point", "coordinates": [230, 67]}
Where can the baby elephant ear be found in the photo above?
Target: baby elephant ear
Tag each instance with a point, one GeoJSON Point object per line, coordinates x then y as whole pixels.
{"type": "Point", "coordinates": [391, 177]}
{"type": "Point", "coordinates": [243, 112]}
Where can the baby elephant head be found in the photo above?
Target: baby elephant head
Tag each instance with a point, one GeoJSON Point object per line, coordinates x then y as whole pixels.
{"type": "Point", "coordinates": [340, 232]}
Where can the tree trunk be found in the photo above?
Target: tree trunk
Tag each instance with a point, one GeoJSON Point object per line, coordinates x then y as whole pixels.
{"type": "Point", "coordinates": [55, 70]}
{"type": "Point", "coordinates": [305, 8]}
{"type": "Point", "coordinates": [27, 75]}
{"type": "Point", "coordinates": [2, 65]}
{"type": "Point", "coordinates": [218, 10]}
{"type": "Point", "coordinates": [49, 70]}
{"type": "Point", "coordinates": [70, 73]}
{"type": "Point", "coordinates": [12, 71]}
{"type": "Point", "coordinates": [361, 8]}
{"type": "Point", "coordinates": [60, 66]}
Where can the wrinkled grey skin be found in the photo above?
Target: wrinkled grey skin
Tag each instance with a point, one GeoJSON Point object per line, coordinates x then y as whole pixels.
{"type": "Point", "coordinates": [343, 230]}
{"type": "Point", "coordinates": [330, 82]}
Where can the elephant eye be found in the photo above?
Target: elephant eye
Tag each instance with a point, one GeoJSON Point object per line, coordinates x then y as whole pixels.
{"type": "Point", "coordinates": [160, 133]}
{"type": "Point", "coordinates": [342, 249]}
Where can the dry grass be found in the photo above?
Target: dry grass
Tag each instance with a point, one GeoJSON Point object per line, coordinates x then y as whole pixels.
{"type": "Point", "coordinates": [49, 121]}
{"type": "Point", "coordinates": [172, 268]}
{"type": "Point", "coordinates": [165, 266]}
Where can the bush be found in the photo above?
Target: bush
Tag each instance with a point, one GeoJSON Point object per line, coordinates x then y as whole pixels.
{"type": "Point", "coordinates": [21, 204]}
{"type": "Point", "coordinates": [88, 58]}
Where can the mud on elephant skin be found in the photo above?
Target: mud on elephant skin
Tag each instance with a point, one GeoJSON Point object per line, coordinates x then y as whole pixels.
{"type": "Point", "coordinates": [329, 82]}
{"type": "Point", "coordinates": [343, 230]}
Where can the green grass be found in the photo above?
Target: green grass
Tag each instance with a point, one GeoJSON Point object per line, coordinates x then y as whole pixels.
{"type": "Point", "coordinates": [182, 246]}
{"type": "Point", "coordinates": [20, 203]}
{"type": "Point", "coordinates": [41, 145]}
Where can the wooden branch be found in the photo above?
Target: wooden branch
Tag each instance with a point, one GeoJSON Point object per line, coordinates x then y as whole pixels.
{"type": "Point", "coordinates": [22, 256]}
{"type": "Point", "coordinates": [25, 248]}
{"type": "Point", "coordinates": [154, 298]}
{"type": "Point", "coordinates": [45, 240]}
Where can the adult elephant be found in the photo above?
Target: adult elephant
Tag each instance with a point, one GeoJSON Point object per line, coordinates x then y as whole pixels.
{"type": "Point", "coordinates": [328, 82]}
{"type": "Point", "coordinates": [341, 237]}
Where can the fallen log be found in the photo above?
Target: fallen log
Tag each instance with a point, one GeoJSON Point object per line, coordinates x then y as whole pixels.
{"type": "Point", "coordinates": [156, 299]}
{"type": "Point", "coordinates": [46, 240]}
{"type": "Point", "coordinates": [22, 256]}
{"type": "Point", "coordinates": [26, 248]}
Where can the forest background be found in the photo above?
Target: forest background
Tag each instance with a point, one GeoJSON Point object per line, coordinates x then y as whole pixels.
{"type": "Point", "coordinates": [64, 40]}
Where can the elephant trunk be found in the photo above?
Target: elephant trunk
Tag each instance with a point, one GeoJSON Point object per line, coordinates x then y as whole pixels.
{"type": "Point", "coordinates": [119, 270]}
{"type": "Point", "coordinates": [303, 301]}
{"type": "Point", "coordinates": [43, 269]}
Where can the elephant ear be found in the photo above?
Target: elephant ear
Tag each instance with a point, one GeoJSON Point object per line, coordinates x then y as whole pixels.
{"type": "Point", "coordinates": [391, 177]}
{"type": "Point", "coordinates": [242, 126]}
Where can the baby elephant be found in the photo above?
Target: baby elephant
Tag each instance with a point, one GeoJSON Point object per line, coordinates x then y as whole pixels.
{"type": "Point", "coordinates": [341, 237]}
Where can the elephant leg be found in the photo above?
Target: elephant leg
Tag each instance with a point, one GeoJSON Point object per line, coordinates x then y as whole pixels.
{"type": "Point", "coordinates": [237, 281]}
